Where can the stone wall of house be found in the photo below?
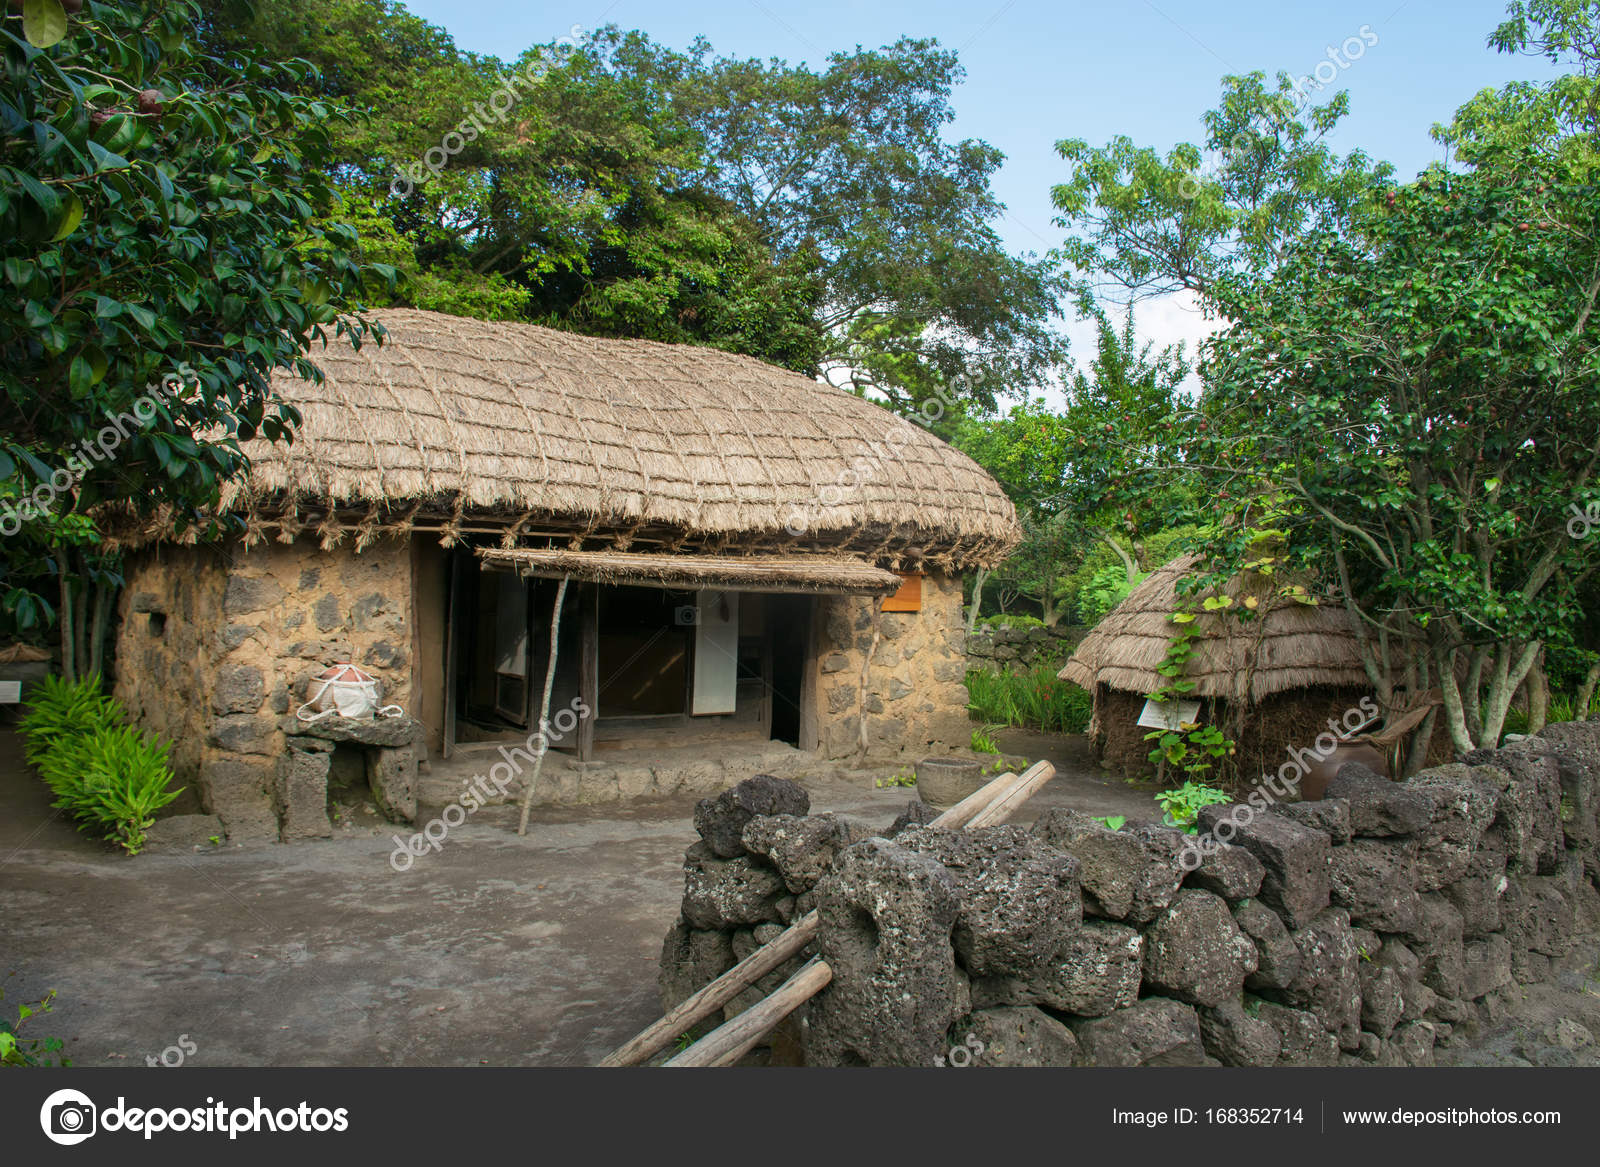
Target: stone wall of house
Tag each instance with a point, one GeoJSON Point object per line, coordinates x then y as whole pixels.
{"type": "Point", "coordinates": [247, 630]}
{"type": "Point", "coordinates": [904, 672]}
{"type": "Point", "coordinates": [1366, 928]}
{"type": "Point", "coordinates": [1020, 650]}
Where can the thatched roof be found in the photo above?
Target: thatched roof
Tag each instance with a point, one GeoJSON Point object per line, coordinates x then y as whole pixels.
{"type": "Point", "coordinates": [536, 427]}
{"type": "Point", "coordinates": [1294, 646]}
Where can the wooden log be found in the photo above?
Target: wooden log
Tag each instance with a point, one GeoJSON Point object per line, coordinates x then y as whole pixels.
{"type": "Point", "coordinates": [713, 996]}
{"type": "Point", "coordinates": [1002, 808]}
{"type": "Point", "coordinates": [725, 1046]}
{"type": "Point", "coordinates": [699, 1005]}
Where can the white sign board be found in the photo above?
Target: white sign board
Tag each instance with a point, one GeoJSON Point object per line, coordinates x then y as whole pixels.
{"type": "Point", "coordinates": [716, 652]}
{"type": "Point", "coordinates": [1168, 714]}
{"type": "Point", "coordinates": [10, 692]}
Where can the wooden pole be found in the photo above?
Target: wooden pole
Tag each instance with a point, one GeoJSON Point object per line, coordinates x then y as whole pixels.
{"type": "Point", "coordinates": [725, 1046]}
{"type": "Point", "coordinates": [711, 997]}
{"type": "Point", "coordinates": [544, 705]}
{"type": "Point", "coordinates": [1002, 808]}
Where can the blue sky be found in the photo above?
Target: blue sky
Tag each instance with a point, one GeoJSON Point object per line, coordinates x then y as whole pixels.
{"type": "Point", "coordinates": [1039, 72]}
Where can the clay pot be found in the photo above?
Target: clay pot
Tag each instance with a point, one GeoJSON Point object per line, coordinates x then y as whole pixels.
{"type": "Point", "coordinates": [1321, 773]}
{"type": "Point", "coordinates": [943, 782]}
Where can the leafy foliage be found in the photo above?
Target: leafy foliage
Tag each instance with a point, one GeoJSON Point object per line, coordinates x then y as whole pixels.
{"type": "Point", "coordinates": [59, 710]}
{"type": "Point", "coordinates": [112, 781]}
{"type": "Point", "coordinates": [16, 1050]}
{"type": "Point", "coordinates": [1037, 699]}
{"type": "Point", "coordinates": [1181, 805]}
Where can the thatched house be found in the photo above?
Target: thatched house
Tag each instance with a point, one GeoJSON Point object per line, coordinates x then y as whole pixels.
{"type": "Point", "coordinates": [751, 556]}
{"type": "Point", "coordinates": [1272, 684]}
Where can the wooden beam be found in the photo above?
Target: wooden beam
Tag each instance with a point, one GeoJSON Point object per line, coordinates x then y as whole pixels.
{"type": "Point", "coordinates": [725, 1046]}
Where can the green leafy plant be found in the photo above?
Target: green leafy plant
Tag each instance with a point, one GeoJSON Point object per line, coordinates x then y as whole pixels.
{"type": "Point", "coordinates": [1036, 699]}
{"type": "Point", "coordinates": [59, 709]}
{"type": "Point", "coordinates": [983, 740]}
{"type": "Point", "coordinates": [29, 1051]}
{"type": "Point", "coordinates": [1181, 805]}
{"type": "Point", "coordinates": [1114, 821]}
{"type": "Point", "coordinates": [905, 776]}
{"type": "Point", "coordinates": [112, 781]}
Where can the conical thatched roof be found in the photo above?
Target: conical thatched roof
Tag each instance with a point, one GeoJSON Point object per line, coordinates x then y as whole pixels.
{"type": "Point", "coordinates": [1294, 646]}
{"type": "Point", "coordinates": [529, 425]}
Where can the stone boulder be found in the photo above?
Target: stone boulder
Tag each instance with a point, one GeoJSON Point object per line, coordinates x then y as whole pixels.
{"type": "Point", "coordinates": [1294, 857]}
{"type": "Point", "coordinates": [1155, 1031]}
{"type": "Point", "coordinates": [1378, 807]}
{"type": "Point", "coordinates": [1303, 1041]}
{"type": "Point", "coordinates": [1382, 998]}
{"type": "Point", "coordinates": [1277, 955]}
{"type": "Point", "coordinates": [1195, 952]}
{"type": "Point", "coordinates": [1019, 897]}
{"type": "Point", "coordinates": [691, 958]}
{"type": "Point", "coordinates": [885, 919]}
{"type": "Point", "coordinates": [1235, 1038]}
{"type": "Point", "coordinates": [1131, 874]}
{"type": "Point", "coordinates": [1375, 880]}
{"type": "Point", "coordinates": [1328, 985]}
{"type": "Point", "coordinates": [1436, 940]}
{"type": "Point", "coordinates": [1577, 754]}
{"type": "Point", "coordinates": [1097, 972]}
{"type": "Point", "coordinates": [1230, 872]}
{"type": "Point", "coordinates": [1486, 966]}
{"type": "Point", "coordinates": [801, 848]}
{"type": "Point", "coordinates": [1464, 803]}
{"type": "Point", "coordinates": [728, 893]}
{"type": "Point", "coordinates": [721, 820]}
{"type": "Point", "coordinates": [1476, 895]}
{"type": "Point", "coordinates": [1527, 820]}
{"type": "Point", "coordinates": [1018, 1036]}
{"type": "Point", "coordinates": [1331, 816]}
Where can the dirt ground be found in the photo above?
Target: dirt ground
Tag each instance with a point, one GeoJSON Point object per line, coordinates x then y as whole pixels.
{"type": "Point", "coordinates": [496, 950]}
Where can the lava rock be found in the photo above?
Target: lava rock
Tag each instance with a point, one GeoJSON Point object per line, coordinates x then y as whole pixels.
{"type": "Point", "coordinates": [1331, 816]}
{"type": "Point", "coordinates": [1464, 805]}
{"type": "Point", "coordinates": [1020, 1036]}
{"type": "Point", "coordinates": [1019, 898]}
{"type": "Point", "coordinates": [885, 916]}
{"type": "Point", "coordinates": [1375, 880]}
{"type": "Point", "coordinates": [1277, 955]}
{"type": "Point", "coordinates": [721, 820]}
{"type": "Point", "coordinates": [1302, 1039]}
{"type": "Point", "coordinates": [1152, 1032]}
{"type": "Point", "coordinates": [1195, 952]}
{"type": "Point", "coordinates": [1379, 807]}
{"type": "Point", "coordinates": [1097, 972]}
{"type": "Point", "coordinates": [727, 893]}
{"type": "Point", "coordinates": [1294, 858]}
{"type": "Point", "coordinates": [1235, 1038]}
{"type": "Point", "coordinates": [1131, 874]}
{"type": "Point", "coordinates": [1228, 871]}
{"type": "Point", "coordinates": [801, 848]}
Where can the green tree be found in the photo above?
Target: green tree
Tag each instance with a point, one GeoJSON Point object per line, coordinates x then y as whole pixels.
{"type": "Point", "coordinates": [166, 246]}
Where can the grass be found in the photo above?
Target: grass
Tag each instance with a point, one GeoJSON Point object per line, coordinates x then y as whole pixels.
{"type": "Point", "coordinates": [1036, 699]}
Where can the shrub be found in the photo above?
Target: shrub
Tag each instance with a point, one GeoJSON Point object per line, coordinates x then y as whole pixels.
{"type": "Point", "coordinates": [1036, 699]}
{"type": "Point", "coordinates": [112, 781]}
{"type": "Point", "coordinates": [61, 709]}
{"type": "Point", "coordinates": [1181, 806]}
{"type": "Point", "coordinates": [29, 1051]}
{"type": "Point", "coordinates": [1013, 620]}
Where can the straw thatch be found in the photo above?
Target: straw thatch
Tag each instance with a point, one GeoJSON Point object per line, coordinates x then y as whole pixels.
{"type": "Point", "coordinates": [1294, 646]}
{"type": "Point", "coordinates": [671, 444]}
{"type": "Point", "coordinates": [836, 575]}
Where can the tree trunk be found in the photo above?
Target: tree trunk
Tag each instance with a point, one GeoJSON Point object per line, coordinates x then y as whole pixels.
{"type": "Point", "coordinates": [1586, 691]}
{"type": "Point", "coordinates": [69, 647]}
{"type": "Point", "coordinates": [1129, 567]}
{"type": "Point", "coordinates": [977, 599]}
{"type": "Point", "coordinates": [1508, 676]}
{"type": "Point", "coordinates": [1538, 685]}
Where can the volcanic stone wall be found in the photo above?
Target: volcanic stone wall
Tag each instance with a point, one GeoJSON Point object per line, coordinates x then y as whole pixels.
{"type": "Point", "coordinates": [1366, 928]}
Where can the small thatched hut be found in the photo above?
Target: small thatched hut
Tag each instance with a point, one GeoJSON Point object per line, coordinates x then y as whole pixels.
{"type": "Point", "coordinates": [1271, 684]}
{"type": "Point", "coordinates": [752, 557]}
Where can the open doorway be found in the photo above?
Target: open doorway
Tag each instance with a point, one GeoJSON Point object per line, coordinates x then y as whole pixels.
{"type": "Point", "coordinates": [789, 635]}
